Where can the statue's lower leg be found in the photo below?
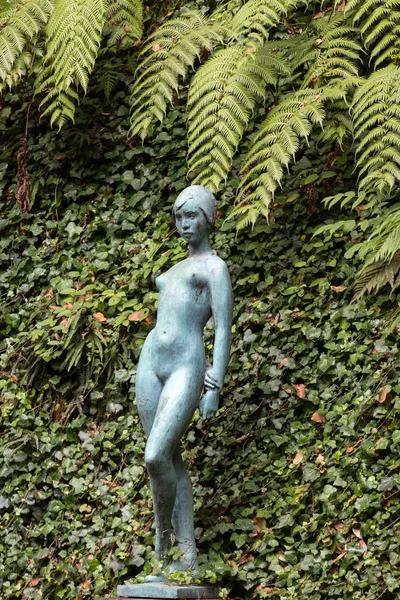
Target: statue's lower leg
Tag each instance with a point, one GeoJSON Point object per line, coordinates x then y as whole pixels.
{"type": "Point", "coordinates": [163, 487]}
{"type": "Point", "coordinates": [182, 519]}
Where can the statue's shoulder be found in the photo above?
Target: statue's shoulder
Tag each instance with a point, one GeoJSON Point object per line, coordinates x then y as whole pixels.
{"type": "Point", "coordinates": [217, 264]}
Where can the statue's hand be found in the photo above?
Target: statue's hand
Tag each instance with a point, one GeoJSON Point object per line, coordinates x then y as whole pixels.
{"type": "Point", "coordinates": [211, 381]}
{"type": "Point", "coordinates": [209, 404]}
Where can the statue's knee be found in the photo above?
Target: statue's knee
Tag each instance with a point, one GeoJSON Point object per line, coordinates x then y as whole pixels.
{"type": "Point", "coordinates": [154, 461]}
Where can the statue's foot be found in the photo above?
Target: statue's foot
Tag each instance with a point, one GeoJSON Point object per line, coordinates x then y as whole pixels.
{"type": "Point", "coordinates": [185, 563]}
{"type": "Point", "coordinates": [159, 578]}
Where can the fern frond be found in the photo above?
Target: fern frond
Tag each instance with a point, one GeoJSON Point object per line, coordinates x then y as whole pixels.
{"type": "Point", "coordinates": [19, 25]}
{"type": "Point", "coordinates": [169, 53]}
{"type": "Point", "coordinates": [19, 69]}
{"type": "Point", "coordinates": [73, 38]}
{"type": "Point", "coordinates": [376, 275]}
{"type": "Point", "coordinates": [336, 52]}
{"type": "Point", "coordinates": [376, 116]}
{"type": "Point", "coordinates": [274, 146]}
{"type": "Point", "coordinates": [378, 21]}
{"type": "Point", "coordinates": [125, 20]}
{"type": "Point", "coordinates": [255, 17]}
{"type": "Point", "coordinates": [221, 100]}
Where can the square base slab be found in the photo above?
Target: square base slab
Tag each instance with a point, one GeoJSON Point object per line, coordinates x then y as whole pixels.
{"type": "Point", "coordinates": [159, 591]}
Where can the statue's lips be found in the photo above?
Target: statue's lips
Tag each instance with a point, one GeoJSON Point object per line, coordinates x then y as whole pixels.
{"type": "Point", "coordinates": [187, 234]}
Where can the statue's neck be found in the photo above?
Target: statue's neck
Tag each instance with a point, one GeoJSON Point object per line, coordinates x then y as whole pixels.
{"type": "Point", "coordinates": [200, 250]}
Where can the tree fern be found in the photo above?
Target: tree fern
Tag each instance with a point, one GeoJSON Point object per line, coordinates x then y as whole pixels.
{"type": "Point", "coordinates": [21, 65]}
{"type": "Point", "coordinates": [221, 100]}
{"type": "Point", "coordinates": [375, 276]}
{"type": "Point", "coordinates": [376, 115]}
{"type": "Point", "coordinates": [125, 19]}
{"type": "Point", "coordinates": [20, 24]}
{"type": "Point", "coordinates": [379, 24]}
{"type": "Point", "coordinates": [253, 20]}
{"type": "Point", "coordinates": [73, 38]}
{"type": "Point", "coordinates": [168, 55]}
{"type": "Point", "coordinates": [272, 149]}
{"type": "Point", "coordinates": [336, 54]}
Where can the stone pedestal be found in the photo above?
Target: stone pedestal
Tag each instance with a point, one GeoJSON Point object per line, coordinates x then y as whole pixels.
{"type": "Point", "coordinates": [159, 591]}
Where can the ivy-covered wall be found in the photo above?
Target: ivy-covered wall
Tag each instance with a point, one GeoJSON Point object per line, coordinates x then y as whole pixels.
{"type": "Point", "coordinates": [296, 480]}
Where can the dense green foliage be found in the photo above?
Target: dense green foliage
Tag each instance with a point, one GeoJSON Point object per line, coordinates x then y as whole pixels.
{"type": "Point", "coordinates": [331, 64]}
{"type": "Point", "coordinates": [296, 481]}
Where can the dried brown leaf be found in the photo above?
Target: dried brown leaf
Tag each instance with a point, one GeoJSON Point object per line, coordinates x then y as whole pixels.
{"type": "Point", "coordinates": [298, 458]}
{"type": "Point", "coordinates": [136, 316]}
{"type": "Point", "coordinates": [99, 317]}
{"type": "Point", "coordinates": [317, 418]}
{"type": "Point", "coordinates": [300, 390]}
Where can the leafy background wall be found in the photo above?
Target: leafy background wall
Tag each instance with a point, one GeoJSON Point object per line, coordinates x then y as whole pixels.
{"type": "Point", "coordinates": [296, 481]}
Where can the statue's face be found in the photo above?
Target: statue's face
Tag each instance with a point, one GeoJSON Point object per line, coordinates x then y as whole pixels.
{"type": "Point", "coordinates": [191, 222]}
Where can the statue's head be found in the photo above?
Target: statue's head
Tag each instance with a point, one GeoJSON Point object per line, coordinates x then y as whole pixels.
{"type": "Point", "coordinates": [199, 197]}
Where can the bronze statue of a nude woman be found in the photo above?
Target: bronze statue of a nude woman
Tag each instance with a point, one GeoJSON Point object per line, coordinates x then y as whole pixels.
{"type": "Point", "coordinates": [172, 371]}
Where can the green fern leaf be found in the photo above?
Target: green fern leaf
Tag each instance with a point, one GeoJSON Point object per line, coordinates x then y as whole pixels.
{"type": "Point", "coordinates": [124, 20]}
{"type": "Point", "coordinates": [19, 25]}
{"type": "Point", "coordinates": [169, 53]}
{"type": "Point", "coordinates": [378, 21]}
{"type": "Point", "coordinates": [336, 52]}
{"type": "Point", "coordinates": [274, 146]}
{"type": "Point", "coordinates": [376, 116]}
{"type": "Point", "coordinates": [73, 38]}
{"type": "Point", "coordinates": [255, 17]}
{"type": "Point", "coordinates": [221, 100]}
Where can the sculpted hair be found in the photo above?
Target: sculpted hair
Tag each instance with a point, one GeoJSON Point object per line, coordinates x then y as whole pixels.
{"type": "Point", "coordinates": [205, 201]}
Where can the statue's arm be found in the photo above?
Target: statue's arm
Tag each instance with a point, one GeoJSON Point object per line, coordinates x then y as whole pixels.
{"type": "Point", "coordinates": [221, 306]}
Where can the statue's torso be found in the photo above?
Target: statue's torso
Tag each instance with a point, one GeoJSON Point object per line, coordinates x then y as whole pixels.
{"type": "Point", "coordinates": [184, 306]}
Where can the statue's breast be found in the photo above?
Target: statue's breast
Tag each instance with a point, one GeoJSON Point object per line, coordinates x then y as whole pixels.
{"type": "Point", "coordinates": [183, 277]}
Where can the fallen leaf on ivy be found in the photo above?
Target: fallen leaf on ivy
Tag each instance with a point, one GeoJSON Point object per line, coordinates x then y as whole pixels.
{"type": "Point", "coordinates": [384, 392]}
{"type": "Point", "coordinates": [300, 390]}
{"type": "Point", "coordinates": [339, 557]}
{"type": "Point", "coordinates": [282, 557]}
{"type": "Point", "coordinates": [283, 362]}
{"type": "Point", "coordinates": [260, 523]}
{"type": "Point", "coordinates": [317, 418]}
{"type": "Point", "coordinates": [338, 288]}
{"type": "Point", "coordinates": [136, 316]}
{"type": "Point", "coordinates": [351, 448]}
{"type": "Point", "coordinates": [339, 526]}
{"type": "Point", "coordinates": [360, 208]}
{"type": "Point", "coordinates": [34, 582]}
{"type": "Point", "coordinates": [99, 317]}
{"type": "Point", "coordinates": [298, 458]}
{"type": "Point", "coordinates": [86, 584]}
{"type": "Point", "coordinates": [364, 546]}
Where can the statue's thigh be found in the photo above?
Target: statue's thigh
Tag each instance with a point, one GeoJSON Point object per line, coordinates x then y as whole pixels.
{"type": "Point", "coordinates": [178, 400]}
{"type": "Point", "coordinates": [148, 391]}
